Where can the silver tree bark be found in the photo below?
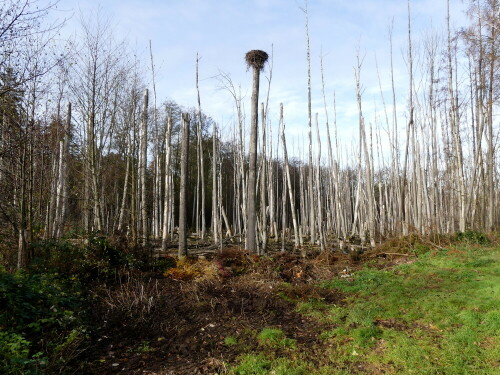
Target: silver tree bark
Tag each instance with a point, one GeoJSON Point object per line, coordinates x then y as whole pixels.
{"type": "Point", "coordinates": [166, 202]}
{"type": "Point", "coordinates": [184, 185]}
{"type": "Point", "coordinates": [143, 167]}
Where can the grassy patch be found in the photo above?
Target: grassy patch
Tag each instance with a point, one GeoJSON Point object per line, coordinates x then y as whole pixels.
{"type": "Point", "coordinates": [275, 338]}
{"type": "Point", "coordinates": [259, 364]}
{"type": "Point", "coordinates": [250, 364]}
{"type": "Point", "coordinates": [437, 315]}
{"type": "Point", "coordinates": [230, 341]}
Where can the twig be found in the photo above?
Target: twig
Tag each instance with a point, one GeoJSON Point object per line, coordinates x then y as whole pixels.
{"type": "Point", "coordinates": [398, 254]}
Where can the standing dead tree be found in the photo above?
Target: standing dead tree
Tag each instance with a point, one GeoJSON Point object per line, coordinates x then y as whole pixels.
{"type": "Point", "coordinates": [200, 209]}
{"type": "Point", "coordinates": [142, 168]}
{"type": "Point", "coordinates": [183, 185]}
{"type": "Point", "coordinates": [312, 217]}
{"type": "Point", "coordinates": [166, 205]}
{"type": "Point", "coordinates": [62, 183]}
{"type": "Point", "coordinates": [256, 60]}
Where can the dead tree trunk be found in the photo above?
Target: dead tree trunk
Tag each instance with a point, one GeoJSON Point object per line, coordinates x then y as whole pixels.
{"type": "Point", "coordinates": [215, 204]}
{"type": "Point", "coordinates": [310, 189]}
{"type": "Point", "coordinates": [296, 230]}
{"type": "Point", "coordinates": [62, 186]}
{"type": "Point", "coordinates": [166, 202]}
{"type": "Point", "coordinates": [256, 60]}
{"type": "Point", "coordinates": [183, 185]}
{"type": "Point", "coordinates": [121, 218]}
{"type": "Point", "coordinates": [263, 183]}
{"type": "Point", "coordinates": [201, 167]}
{"type": "Point", "coordinates": [142, 168]}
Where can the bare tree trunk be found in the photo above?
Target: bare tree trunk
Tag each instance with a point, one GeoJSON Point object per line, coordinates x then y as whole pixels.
{"type": "Point", "coordinates": [271, 190]}
{"type": "Point", "coordinates": [397, 212]}
{"type": "Point", "coordinates": [310, 188]}
{"type": "Point", "coordinates": [251, 233]}
{"type": "Point", "coordinates": [134, 202]}
{"type": "Point", "coordinates": [121, 218]}
{"type": "Point", "coordinates": [409, 131]}
{"type": "Point", "coordinates": [215, 203]}
{"type": "Point", "coordinates": [492, 203]}
{"type": "Point", "coordinates": [263, 183]}
{"type": "Point", "coordinates": [368, 169]}
{"type": "Point", "coordinates": [283, 214]}
{"type": "Point", "coordinates": [184, 185]}
{"type": "Point", "coordinates": [22, 250]}
{"type": "Point", "coordinates": [156, 166]}
{"type": "Point", "coordinates": [340, 213]}
{"type": "Point", "coordinates": [142, 168]}
{"type": "Point", "coordinates": [256, 60]}
{"type": "Point", "coordinates": [318, 191]}
{"type": "Point", "coordinates": [62, 187]}
{"type": "Point", "coordinates": [455, 131]}
{"type": "Point", "coordinates": [296, 230]}
{"type": "Point", "coordinates": [332, 182]}
{"type": "Point", "coordinates": [201, 167]}
{"type": "Point", "coordinates": [51, 209]}
{"type": "Point", "coordinates": [166, 202]}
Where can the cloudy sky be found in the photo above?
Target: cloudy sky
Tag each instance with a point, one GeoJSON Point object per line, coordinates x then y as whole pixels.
{"type": "Point", "coordinates": [222, 31]}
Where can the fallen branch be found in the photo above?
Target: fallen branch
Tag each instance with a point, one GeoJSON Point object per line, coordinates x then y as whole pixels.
{"type": "Point", "coordinates": [390, 254]}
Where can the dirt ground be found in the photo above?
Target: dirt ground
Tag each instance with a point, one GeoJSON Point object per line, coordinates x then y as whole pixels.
{"type": "Point", "coordinates": [175, 322]}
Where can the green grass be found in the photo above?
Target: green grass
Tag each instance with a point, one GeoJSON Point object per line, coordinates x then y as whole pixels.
{"type": "Point", "coordinates": [259, 364]}
{"type": "Point", "coordinates": [230, 341]}
{"type": "Point", "coordinates": [275, 338]}
{"type": "Point", "coordinates": [437, 315]}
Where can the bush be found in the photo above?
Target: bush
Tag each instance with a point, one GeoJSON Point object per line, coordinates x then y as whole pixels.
{"type": "Point", "coordinates": [15, 355]}
{"type": "Point", "coordinates": [42, 321]}
{"type": "Point", "coordinates": [472, 237]}
{"type": "Point", "coordinates": [37, 302]}
{"type": "Point", "coordinates": [91, 260]}
{"type": "Point", "coordinates": [39, 315]}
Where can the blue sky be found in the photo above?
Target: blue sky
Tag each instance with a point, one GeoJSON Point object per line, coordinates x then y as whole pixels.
{"type": "Point", "coordinates": [222, 31]}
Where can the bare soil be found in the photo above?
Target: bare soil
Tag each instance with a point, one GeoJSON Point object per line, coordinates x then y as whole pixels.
{"type": "Point", "coordinates": [154, 324]}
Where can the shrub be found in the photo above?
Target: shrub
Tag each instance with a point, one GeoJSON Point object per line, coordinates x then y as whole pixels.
{"type": "Point", "coordinates": [472, 237]}
{"type": "Point", "coordinates": [15, 355]}
{"type": "Point", "coordinates": [40, 315]}
{"type": "Point", "coordinates": [90, 260]}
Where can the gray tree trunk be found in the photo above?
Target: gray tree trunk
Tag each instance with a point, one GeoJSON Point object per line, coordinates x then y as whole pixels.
{"type": "Point", "coordinates": [166, 202]}
{"type": "Point", "coordinates": [62, 186]}
{"type": "Point", "coordinates": [251, 234]}
{"type": "Point", "coordinates": [142, 168]}
{"type": "Point", "coordinates": [183, 186]}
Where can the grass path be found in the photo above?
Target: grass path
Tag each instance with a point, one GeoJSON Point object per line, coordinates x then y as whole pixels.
{"type": "Point", "coordinates": [437, 315]}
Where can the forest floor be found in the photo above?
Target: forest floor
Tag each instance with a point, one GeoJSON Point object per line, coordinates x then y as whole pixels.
{"type": "Point", "coordinates": [392, 310]}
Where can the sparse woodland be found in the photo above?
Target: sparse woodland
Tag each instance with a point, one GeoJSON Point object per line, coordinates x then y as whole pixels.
{"type": "Point", "coordinates": [88, 150]}
{"type": "Point", "coordinates": [83, 150]}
